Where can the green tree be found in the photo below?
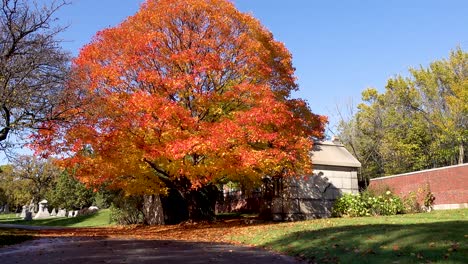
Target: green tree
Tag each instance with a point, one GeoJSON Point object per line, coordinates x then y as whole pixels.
{"type": "Point", "coordinates": [69, 193]}
{"type": "Point", "coordinates": [443, 87]}
{"type": "Point", "coordinates": [28, 179]}
{"type": "Point", "coordinates": [418, 122]}
{"type": "Point", "coordinates": [35, 176]}
{"type": "Point", "coordinates": [13, 190]}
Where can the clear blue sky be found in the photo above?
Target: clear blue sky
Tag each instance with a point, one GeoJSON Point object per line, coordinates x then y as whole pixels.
{"type": "Point", "coordinates": [339, 47]}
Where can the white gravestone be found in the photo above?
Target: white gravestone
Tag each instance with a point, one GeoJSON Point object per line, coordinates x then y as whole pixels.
{"type": "Point", "coordinates": [62, 213]}
{"type": "Point", "coordinates": [23, 212]}
{"type": "Point", "coordinates": [43, 211]}
{"type": "Point", "coordinates": [53, 213]}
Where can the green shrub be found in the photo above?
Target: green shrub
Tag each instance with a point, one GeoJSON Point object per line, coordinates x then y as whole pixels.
{"type": "Point", "coordinates": [127, 210]}
{"type": "Point", "coordinates": [411, 204]}
{"type": "Point", "coordinates": [367, 204]}
{"type": "Point", "coordinates": [103, 199]}
{"type": "Point", "coordinates": [419, 201]}
{"type": "Point", "coordinates": [341, 205]}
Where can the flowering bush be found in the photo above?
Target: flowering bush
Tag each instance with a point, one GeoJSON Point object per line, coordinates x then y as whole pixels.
{"type": "Point", "coordinates": [367, 204]}
{"type": "Point", "coordinates": [420, 201]}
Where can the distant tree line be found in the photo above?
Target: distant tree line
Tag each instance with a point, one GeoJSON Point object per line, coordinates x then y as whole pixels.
{"type": "Point", "coordinates": [28, 180]}
{"type": "Point", "coordinates": [418, 122]}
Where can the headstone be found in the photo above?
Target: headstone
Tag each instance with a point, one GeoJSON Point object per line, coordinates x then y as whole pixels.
{"type": "Point", "coordinates": [23, 211]}
{"type": "Point", "coordinates": [53, 213]}
{"type": "Point", "coordinates": [76, 213]}
{"type": "Point", "coordinates": [91, 210]}
{"type": "Point", "coordinates": [71, 214]}
{"type": "Point", "coordinates": [28, 216]}
{"type": "Point", "coordinates": [31, 208]}
{"type": "Point", "coordinates": [62, 213]}
{"type": "Point", "coordinates": [43, 212]}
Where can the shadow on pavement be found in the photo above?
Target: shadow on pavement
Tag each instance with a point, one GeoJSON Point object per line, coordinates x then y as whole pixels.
{"type": "Point", "coordinates": [105, 250]}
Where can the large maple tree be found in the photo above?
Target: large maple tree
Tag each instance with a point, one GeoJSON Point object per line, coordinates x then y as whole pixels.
{"type": "Point", "coordinates": [182, 95]}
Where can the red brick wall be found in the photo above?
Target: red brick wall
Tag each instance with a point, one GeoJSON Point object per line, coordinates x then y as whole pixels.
{"type": "Point", "coordinates": [449, 184]}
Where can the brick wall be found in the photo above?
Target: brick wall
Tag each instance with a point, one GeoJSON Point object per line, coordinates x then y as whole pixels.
{"type": "Point", "coordinates": [448, 184]}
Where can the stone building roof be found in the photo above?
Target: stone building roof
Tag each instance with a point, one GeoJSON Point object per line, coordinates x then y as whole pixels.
{"type": "Point", "coordinates": [333, 153]}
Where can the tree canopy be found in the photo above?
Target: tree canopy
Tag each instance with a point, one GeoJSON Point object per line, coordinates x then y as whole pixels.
{"type": "Point", "coordinates": [33, 68]}
{"type": "Point", "coordinates": [418, 122]}
{"type": "Point", "coordinates": [68, 193]}
{"type": "Point", "coordinates": [181, 95]}
{"type": "Point", "coordinates": [27, 180]}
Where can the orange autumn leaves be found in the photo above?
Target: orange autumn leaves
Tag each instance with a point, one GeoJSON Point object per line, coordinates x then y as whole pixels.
{"type": "Point", "coordinates": [190, 89]}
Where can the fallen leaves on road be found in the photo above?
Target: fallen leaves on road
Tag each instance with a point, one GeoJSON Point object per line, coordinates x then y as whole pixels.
{"type": "Point", "coordinates": [204, 232]}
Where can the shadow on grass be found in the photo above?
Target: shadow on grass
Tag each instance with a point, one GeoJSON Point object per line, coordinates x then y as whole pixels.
{"type": "Point", "coordinates": [8, 218]}
{"type": "Point", "coordinates": [441, 242]}
{"type": "Point", "coordinates": [101, 218]}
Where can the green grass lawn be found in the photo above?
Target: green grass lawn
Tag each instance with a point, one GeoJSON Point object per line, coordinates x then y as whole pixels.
{"type": "Point", "coordinates": [8, 217]}
{"type": "Point", "coordinates": [99, 219]}
{"type": "Point", "coordinates": [9, 236]}
{"type": "Point", "coordinates": [436, 237]}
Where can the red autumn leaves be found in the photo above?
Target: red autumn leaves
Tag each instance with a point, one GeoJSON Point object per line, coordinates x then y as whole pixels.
{"type": "Point", "coordinates": [190, 89]}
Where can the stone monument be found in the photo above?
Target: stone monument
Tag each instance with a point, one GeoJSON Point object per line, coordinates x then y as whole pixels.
{"type": "Point", "coordinates": [62, 213]}
{"type": "Point", "coordinates": [23, 211]}
{"type": "Point", "coordinates": [43, 211]}
{"type": "Point", "coordinates": [28, 216]}
{"type": "Point", "coordinates": [53, 213]}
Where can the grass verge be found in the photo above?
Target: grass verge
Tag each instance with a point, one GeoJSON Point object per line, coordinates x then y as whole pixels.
{"type": "Point", "coordinates": [100, 219]}
{"type": "Point", "coordinates": [436, 237]}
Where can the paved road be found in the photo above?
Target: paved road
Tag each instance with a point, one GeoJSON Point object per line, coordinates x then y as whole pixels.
{"type": "Point", "coordinates": [104, 250]}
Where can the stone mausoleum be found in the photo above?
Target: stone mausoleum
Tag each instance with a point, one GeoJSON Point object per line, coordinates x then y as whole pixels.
{"type": "Point", "coordinates": [312, 196]}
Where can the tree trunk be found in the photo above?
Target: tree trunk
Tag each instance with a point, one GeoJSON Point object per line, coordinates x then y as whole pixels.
{"type": "Point", "coordinates": [153, 210]}
{"type": "Point", "coordinates": [193, 205]}
{"type": "Point", "coordinates": [461, 154]}
{"type": "Point", "coordinates": [182, 203]}
{"type": "Point", "coordinates": [174, 207]}
{"type": "Point", "coordinates": [201, 203]}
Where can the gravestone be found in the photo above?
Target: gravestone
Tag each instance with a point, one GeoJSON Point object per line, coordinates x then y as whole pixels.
{"type": "Point", "coordinates": [53, 213]}
{"type": "Point", "coordinates": [76, 213]}
{"type": "Point", "coordinates": [71, 214]}
{"type": "Point", "coordinates": [23, 211]}
{"type": "Point", "coordinates": [31, 208]}
{"type": "Point", "coordinates": [43, 212]}
{"type": "Point", "coordinates": [28, 216]}
{"type": "Point", "coordinates": [62, 213]}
